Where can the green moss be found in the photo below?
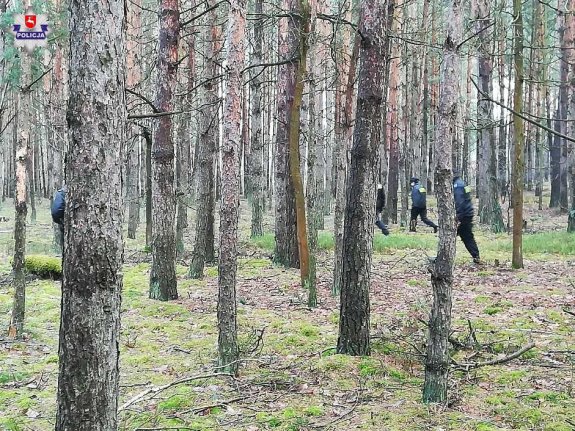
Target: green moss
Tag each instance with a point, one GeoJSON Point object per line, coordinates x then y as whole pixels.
{"type": "Point", "coordinates": [313, 411]}
{"type": "Point", "coordinates": [482, 299]}
{"type": "Point", "coordinates": [550, 396]}
{"type": "Point", "coordinates": [308, 330]}
{"type": "Point", "coordinates": [369, 367]}
{"type": "Point", "coordinates": [176, 402]}
{"type": "Point", "coordinates": [8, 377]}
{"type": "Point", "coordinates": [491, 310]}
{"type": "Point", "coordinates": [508, 377]}
{"type": "Point", "coordinates": [43, 266]}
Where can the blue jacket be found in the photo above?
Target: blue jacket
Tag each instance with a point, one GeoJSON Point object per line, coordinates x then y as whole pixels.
{"type": "Point", "coordinates": [462, 196]}
{"type": "Point", "coordinates": [418, 196]}
{"type": "Point", "coordinates": [58, 206]}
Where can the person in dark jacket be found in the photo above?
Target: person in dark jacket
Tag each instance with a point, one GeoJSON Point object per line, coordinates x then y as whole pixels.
{"type": "Point", "coordinates": [419, 206]}
{"type": "Point", "coordinates": [58, 206]}
{"type": "Point", "coordinates": [464, 215]}
{"type": "Point", "coordinates": [380, 204]}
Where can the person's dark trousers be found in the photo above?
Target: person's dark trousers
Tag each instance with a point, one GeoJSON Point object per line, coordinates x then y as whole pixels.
{"type": "Point", "coordinates": [465, 231]}
{"type": "Point", "coordinates": [382, 226]}
{"type": "Point", "coordinates": [422, 212]}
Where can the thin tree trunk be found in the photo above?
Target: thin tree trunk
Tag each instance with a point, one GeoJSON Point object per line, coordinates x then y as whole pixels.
{"type": "Point", "coordinates": [286, 248]}
{"type": "Point", "coordinates": [437, 359]}
{"type": "Point", "coordinates": [519, 161]}
{"type": "Point", "coordinates": [345, 129]}
{"type": "Point", "coordinates": [561, 114]}
{"type": "Point", "coordinates": [92, 284]}
{"type": "Point", "coordinates": [230, 202]}
{"type": "Point", "coordinates": [256, 157]}
{"type": "Point", "coordinates": [148, 139]}
{"type": "Point", "coordinates": [163, 282]}
{"type": "Point", "coordinates": [502, 144]}
{"type": "Point", "coordinates": [21, 210]}
{"type": "Point", "coordinates": [203, 248]}
{"type": "Point", "coordinates": [134, 32]}
{"type": "Point", "coordinates": [360, 195]}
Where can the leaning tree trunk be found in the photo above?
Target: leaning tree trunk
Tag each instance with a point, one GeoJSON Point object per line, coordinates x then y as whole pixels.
{"type": "Point", "coordinates": [286, 248]}
{"type": "Point", "coordinates": [256, 156]}
{"type": "Point", "coordinates": [230, 202]}
{"type": "Point", "coordinates": [519, 160]}
{"type": "Point", "coordinates": [437, 359]}
{"type": "Point", "coordinates": [202, 251]}
{"type": "Point", "coordinates": [22, 155]}
{"type": "Point", "coordinates": [163, 282]}
{"type": "Point", "coordinates": [92, 284]}
{"type": "Point", "coordinates": [360, 197]}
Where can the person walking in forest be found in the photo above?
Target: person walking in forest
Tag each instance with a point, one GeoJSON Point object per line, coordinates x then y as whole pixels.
{"type": "Point", "coordinates": [419, 206]}
{"type": "Point", "coordinates": [464, 216]}
{"type": "Point", "coordinates": [380, 204]}
{"type": "Point", "coordinates": [58, 206]}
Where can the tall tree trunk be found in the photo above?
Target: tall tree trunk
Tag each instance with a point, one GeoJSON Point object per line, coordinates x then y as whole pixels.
{"type": "Point", "coordinates": [570, 43]}
{"type": "Point", "coordinates": [21, 210]}
{"type": "Point", "coordinates": [133, 77]}
{"type": "Point", "coordinates": [286, 248]}
{"type": "Point", "coordinates": [256, 157]}
{"type": "Point", "coordinates": [184, 156]}
{"type": "Point", "coordinates": [392, 121]}
{"type": "Point", "coordinates": [302, 9]}
{"type": "Point", "coordinates": [502, 143]}
{"type": "Point", "coordinates": [344, 129]}
{"type": "Point", "coordinates": [360, 195]}
{"type": "Point", "coordinates": [560, 116]}
{"type": "Point", "coordinates": [230, 202]}
{"type": "Point", "coordinates": [437, 359]}
{"type": "Point", "coordinates": [148, 139]}
{"type": "Point", "coordinates": [92, 283]}
{"type": "Point", "coordinates": [518, 140]}
{"type": "Point", "coordinates": [489, 209]}
{"type": "Point", "coordinates": [204, 236]}
{"type": "Point", "coordinates": [163, 282]}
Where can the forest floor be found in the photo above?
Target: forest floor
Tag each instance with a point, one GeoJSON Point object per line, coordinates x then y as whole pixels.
{"type": "Point", "coordinates": [291, 379]}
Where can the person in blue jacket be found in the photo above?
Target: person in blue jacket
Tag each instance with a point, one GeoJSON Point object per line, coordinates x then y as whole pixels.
{"type": "Point", "coordinates": [464, 216]}
{"type": "Point", "coordinates": [58, 206]}
{"type": "Point", "coordinates": [419, 206]}
{"type": "Point", "coordinates": [380, 204]}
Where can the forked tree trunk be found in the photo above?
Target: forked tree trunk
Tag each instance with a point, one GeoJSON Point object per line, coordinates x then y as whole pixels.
{"type": "Point", "coordinates": [22, 156]}
{"type": "Point", "coordinates": [437, 359]}
{"type": "Point", "coordinates": [295, 159]}
{"type": "Point", "coordinates": [230, 202]}
{"type": "Point", "coordinates": [360, 197]}
{"type": "Point", "coordinates": [92, 284]}
{"type": "Point", "coordinates": [163, 282]}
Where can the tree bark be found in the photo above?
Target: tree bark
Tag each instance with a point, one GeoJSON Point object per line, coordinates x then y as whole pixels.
{"type": "Point", "coordinates": [163, 282]}
{"type": "Point", "coordinates": [518, 138]}
{"type": "Point", "coordinates": [286, 248]}
{"type": "Point", "coordinates": [360, 195]}
{"type": "Point", "coordinates": [16, 327]}
{"type": "Point", "coordinates": [437, 359]}
{"type": "Point", "coordinates": [92, 283]}
{"type": "Point", "coordinates": [256, 155]}
{"type": "Point", "coordinates": [229, 205]}
{"type": "Point", "coordinates": [133, 64]}
{"type": "Point", "coordinates": [202, 252]}
{"type": "Point", "coordinates": [489, 209]}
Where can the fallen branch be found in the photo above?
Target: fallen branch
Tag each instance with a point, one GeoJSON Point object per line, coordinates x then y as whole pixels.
{"type": "Point", "coordinates": [498, 361]}
{"type": "Point", "coordinates": [569, 312]}
{"type": "Point", "coordinates": [213, 406]}
{"type": "Point", "coordinates": [157, 389]}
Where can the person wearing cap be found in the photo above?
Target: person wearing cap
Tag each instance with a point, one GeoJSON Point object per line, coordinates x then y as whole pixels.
{"type": "Point", "coordinates": [380, 204]}
{"type": "Point", "coordinates": [419, 206]}
{"type": "Point", "coordinates": [464, 215]}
